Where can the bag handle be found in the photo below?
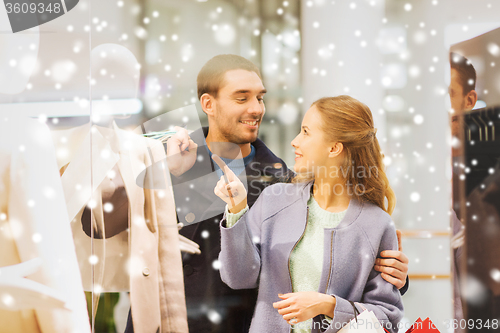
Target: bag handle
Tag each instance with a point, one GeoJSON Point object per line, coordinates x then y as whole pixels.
{"type": "Point", "coordinates": [356, 311]}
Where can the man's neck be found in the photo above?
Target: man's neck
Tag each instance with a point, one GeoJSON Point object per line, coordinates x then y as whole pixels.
{"type": "Point", "coordinates": [221, 146]}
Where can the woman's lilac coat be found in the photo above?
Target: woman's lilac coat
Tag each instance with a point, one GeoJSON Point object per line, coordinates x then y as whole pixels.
{"type": "Point", "coordinates": [256, 250]}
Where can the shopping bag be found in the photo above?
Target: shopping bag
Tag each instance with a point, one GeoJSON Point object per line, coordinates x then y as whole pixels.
{"type": "Point", "coordinates": [365, 322]}
{"type": "Point", "coordinates": [416, 324]}
{"type": "Point", "coordinates": [423, 326]}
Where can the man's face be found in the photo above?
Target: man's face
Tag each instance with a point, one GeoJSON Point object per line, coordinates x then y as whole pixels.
{"type": "Point", "coordinates": [460, 102]}
{"type": "Point", "coordinates": [457, 97]}
{"type": "Point", "coordinates": [239, 106]}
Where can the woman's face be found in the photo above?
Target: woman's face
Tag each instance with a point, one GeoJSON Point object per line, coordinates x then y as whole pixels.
{"type": "Point", "coordinates": [311, 148]}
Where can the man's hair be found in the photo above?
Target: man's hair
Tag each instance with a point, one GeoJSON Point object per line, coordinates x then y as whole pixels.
{"type": "Point", "coordinates": [466, 72]}
{"type": "Point", "coordinates": [211, 76]}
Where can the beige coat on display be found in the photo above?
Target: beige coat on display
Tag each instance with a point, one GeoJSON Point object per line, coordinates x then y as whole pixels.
{"type": "Point", "coordinates": [144, 259]}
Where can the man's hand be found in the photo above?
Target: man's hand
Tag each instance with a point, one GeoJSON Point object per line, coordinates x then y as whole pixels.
{"type": "Point", "coordinates": [395, 269]}
{"type": "Point", "coordinates": [181, 152]}
{"type": "Point", "coordinates": [301, 306]}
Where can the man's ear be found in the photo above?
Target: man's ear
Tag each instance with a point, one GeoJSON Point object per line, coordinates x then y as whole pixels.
{"type": "Point", "coordinates": [207, 102]}
{"type": "Point", "coordinates": [336, 149]}
{"type": "Point", "coordinates": [470, 100]}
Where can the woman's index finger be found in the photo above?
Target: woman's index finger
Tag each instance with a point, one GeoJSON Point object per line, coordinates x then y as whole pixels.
{"type": "Point", "coordinates": [225, 169]}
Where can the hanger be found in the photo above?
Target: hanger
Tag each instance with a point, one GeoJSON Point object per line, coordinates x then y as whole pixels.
{"type": "Point", "coordinates": [490, 123]}
{"type": "Point", "coordinates": [469, 132]}
{"type": "Point", "coordinates": [478, 126]}
{"type": "Point", "coordinates": [480, 118]}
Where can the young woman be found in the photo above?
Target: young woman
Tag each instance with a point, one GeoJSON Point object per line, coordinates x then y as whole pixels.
{"type": "Point", "coordinates": [310, 246]}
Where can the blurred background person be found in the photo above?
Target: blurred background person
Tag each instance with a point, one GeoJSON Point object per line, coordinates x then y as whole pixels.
{"type": "Point", "coordinates": [463, 97]}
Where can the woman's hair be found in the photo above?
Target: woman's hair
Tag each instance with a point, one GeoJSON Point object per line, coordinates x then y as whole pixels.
{"type": "Point", "coordinates": [350, 122]}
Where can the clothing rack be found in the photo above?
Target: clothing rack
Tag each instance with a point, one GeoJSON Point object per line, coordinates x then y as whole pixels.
{"type": "Point", "coordinates": [479, 199]}
{"type": "Point", "coordinates": [483, 125]}
{"type": "Point", "coordinates": [481, 145]}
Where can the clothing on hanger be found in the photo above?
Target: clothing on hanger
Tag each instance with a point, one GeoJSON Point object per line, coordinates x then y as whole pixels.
{"type": "Point", "coordinates": [143, 257]}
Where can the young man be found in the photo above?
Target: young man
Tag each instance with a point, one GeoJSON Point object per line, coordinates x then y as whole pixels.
{"type": "Point", "coordinates": [463, 98]}
{"type": "Point", "coordinates": [231, 93]}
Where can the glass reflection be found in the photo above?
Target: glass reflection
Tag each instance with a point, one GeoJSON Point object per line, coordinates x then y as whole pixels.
{"type": "Point", "coordinates": [475, 122]}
